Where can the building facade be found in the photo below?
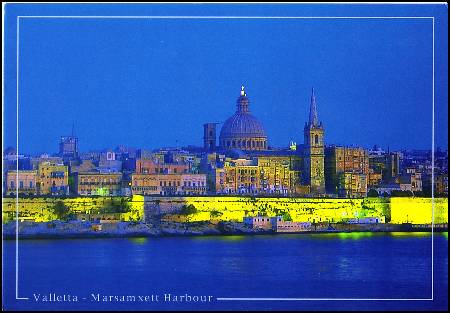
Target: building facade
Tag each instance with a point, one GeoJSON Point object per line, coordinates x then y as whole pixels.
{"type": "Point", "coordinates": [20, 182]}
{"type": "Point", "coordinates": [209, 136]}
{"type": "Point", "coordinates": [346, 171]}
{"type": "Point", "coordinates": [68, 147]}
{"type": "Point", "coordinates": [100, 184]}
{"type": "Point", "coordinates": [52, 178]}
{"type": "Point", "coordinates": [148, 166]}
{"type": "Point", "coordinates": [262, 175]}
{"type": "Point", "coordinates": [169, 184]}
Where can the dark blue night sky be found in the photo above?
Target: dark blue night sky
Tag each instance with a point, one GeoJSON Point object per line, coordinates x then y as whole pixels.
{"type": "Point", "coordinates": [151, 83]}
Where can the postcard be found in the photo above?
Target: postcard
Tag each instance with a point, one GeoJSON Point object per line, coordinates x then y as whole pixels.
{"type": "Point", "coordinates": [225, 156]}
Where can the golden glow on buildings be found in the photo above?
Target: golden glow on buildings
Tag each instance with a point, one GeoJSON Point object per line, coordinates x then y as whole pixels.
{"type": "Point", "coordinates": [264, 175]}
{"type": "Point", "coordinates": [52, 178]}
{"type": "Point", "coordinates": [101, 184]}
{"type": "Point", "coordinates": [168, 184]}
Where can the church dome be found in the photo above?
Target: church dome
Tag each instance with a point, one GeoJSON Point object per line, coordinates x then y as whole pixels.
{"type": "Point", "coordinates": [242, 125]}
{"type": "Point", "coordinates": [243, 130]}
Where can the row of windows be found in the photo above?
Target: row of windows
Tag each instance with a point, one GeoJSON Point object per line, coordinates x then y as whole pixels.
{"type": "Point", "coordinates": [21, 184]}
{"type": "Point", "coordinates": [30, 184]}
{"type": "Point", "coordinates": [161, 170]}
{"type": "Point", "coordinates": [98, 180]}
{"type": "Point", "coordinates": [141, 188]}
{"type": "Point", "coordinates": [244, 144]}
{"type": "Point", "coordinates": [89, 191]}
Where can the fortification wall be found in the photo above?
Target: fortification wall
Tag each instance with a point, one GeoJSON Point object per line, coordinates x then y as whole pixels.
{"type": "Point", "coordinates": [42, 209]}
{"type": "Point", "coordinates": [395, 210]}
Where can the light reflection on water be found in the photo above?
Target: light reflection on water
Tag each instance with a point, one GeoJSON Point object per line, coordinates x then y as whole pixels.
{"type": "Point", "coordinates": [139, 240]}
{"type": "Point", "coordinates": [410, 234]}
{"type": "Point", "coordinates": [354, 235]}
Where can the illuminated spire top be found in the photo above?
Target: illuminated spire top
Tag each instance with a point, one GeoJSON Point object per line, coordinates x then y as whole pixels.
{"type": "Point", "coordinates": [313, 121]}
{"type": "Point", "coordinates": [242, 102]}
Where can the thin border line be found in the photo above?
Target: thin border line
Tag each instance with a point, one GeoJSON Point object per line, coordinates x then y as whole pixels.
{"type": "Point", "coordinates": [432, 184]}
{"type": "Point", "coordinates": [233, 17]}
{"type": "Point", "coordinates": [217, 17]}
{"type": "Point", "coordinates": [316, 299]}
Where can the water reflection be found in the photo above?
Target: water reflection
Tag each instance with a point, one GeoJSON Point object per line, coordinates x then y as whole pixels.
{"type": "Point", "coordinates": [354, 235]}
{"type": "Point", "coordinates": [234, 238]}
{"type": "Point", "coordinates": [410, 234]}
{"type": "Point", "coordinates": [344, 236]}
{"type": "Point", "coordinates": [139, 240]}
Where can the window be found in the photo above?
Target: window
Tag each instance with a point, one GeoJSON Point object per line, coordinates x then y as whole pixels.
{"type": "Point", "coordinates": [31, 184]}
{"type": "Point", "coordinates": [316, 139]}
{"type": "Point", "coordinates": [21, 184]}
{"type": "Point", "coordinates": [12, 184]}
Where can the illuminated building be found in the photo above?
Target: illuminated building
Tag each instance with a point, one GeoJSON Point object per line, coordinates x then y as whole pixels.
{"type": "Point", "coordinates": [313, 152]}
{"type": "Point", "coordinates": [258, 176]}
{"type": "Point", "coordinates": [25, 181]}
{"type": "Point", "coordinates": [52, 178]}
{"type": "Point", "coordinates": [375, 178]}
{"type": "Point", "coordinates": [346, 171]}
{"type": "Point", "coordinates": [149, 166]}
{"type": "Point", "coordinates": [95, 183]}
{"type": "Point", "coordinates": [168, 184]}
{"type": "Point", "coordinates": [441, 184]}
{"type": "Point", "coordinates": [242, 130]}
{"type": "Point", "coordinates": [411, 180]}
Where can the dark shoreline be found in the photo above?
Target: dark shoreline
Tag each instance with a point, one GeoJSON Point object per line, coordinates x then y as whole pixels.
{"type": "Point", "coordinates": [147, 235]}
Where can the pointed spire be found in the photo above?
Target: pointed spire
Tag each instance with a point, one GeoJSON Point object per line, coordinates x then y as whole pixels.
{"type": "Point", "coordinates": [243, 91]}
{"type": "Point", "coordinates": [73, 128]}
{"type": "Point", "coordinates": [313, 121]}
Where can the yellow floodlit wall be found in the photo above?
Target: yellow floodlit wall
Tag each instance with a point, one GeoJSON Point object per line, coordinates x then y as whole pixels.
{"type": "Point", "coordinates": [395, 210]}
{"type": "Point", "coordinates": [300, 209]}
{"type": "Point", "coordinates": [418, 210]}
{"type": "Point", "coordinates": [41, 209]}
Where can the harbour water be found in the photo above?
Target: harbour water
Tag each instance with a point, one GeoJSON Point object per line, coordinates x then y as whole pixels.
{"type": "Point", "coordinates": [313, 269]}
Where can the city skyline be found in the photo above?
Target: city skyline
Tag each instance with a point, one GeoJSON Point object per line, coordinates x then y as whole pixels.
{"type": "Point", "coordinates": [141, 83]}
{"type": "Point", "coordinates": [171, 145]}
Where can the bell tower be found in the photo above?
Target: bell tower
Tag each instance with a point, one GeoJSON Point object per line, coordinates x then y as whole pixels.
{"type": "Point", "coordinates": [314, 173]}
{"type": "Point", "coordinates": [209, 136]}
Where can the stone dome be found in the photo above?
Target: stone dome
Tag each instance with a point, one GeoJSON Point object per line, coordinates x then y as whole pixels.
{"type": "Point", "coordinates": [243, 130]}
